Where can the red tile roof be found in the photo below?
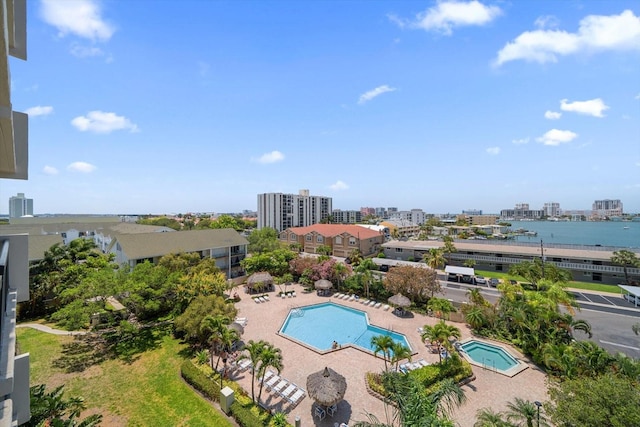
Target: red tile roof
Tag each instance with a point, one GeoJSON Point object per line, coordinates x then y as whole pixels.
{"type": "Point", "coordinates": [330, 230]}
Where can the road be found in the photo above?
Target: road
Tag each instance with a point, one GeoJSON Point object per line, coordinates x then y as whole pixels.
{"type": "Point", "coordinates": [610, 321]}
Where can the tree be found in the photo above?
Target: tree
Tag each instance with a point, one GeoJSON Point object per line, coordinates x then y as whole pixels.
{"type": "Point", "coordinates": [626, 259]}
{"type": "Point", "coordinates": [441, 306]}
{"type": "Point", "coordinates": [228, 221]}
{"type": "Point", "coordinates": [270, 357]}
{"type": "Point", "coordinates": [604, 401]}
{"type": "Point", "coordinates": [440, 333]}
{"type": "Point", "coordinates": [263, 240]}
{"type": "Point", "coordinates": [382, 344]}
{"type": "Point", "coordinates": [524, 412]}
{"type": "Point", "coordinates": [254, 350]}
{"type": "Point", "coordinates": [486, 417]}
{"type": "Point", "coordinates": [470, 263]}
{"type": "Point", "coordinates": [398, 352]}
{"type": "Point", "coordinates": [53, 409]}
{"type": "Point", "coordinates": [189, 323]}
{"type": "Point", "coordinates": [275, 262]}
{"type": "Point", "coordinates": [448, 247]}
{"type": "Point", "coordinates": [417, 283]}
{"type": "Point", "coordinates": [434, 258]}
{"type": "Point", "coordinates": [214, 327]}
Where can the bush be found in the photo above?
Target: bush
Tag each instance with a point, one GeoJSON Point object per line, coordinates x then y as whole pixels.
{"type": "Point", "coordinates": [199, 380]}
{"type": "Point", "coordinates": [244, 416]}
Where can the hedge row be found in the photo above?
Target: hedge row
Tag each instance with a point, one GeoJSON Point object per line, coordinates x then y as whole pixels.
{"type": "Point", "coordinates": [243, 414]}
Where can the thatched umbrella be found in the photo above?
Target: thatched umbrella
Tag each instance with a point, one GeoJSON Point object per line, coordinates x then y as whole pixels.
{"type": "Point", "coordinates": [326, 387]}
{"type": "Point", "coordinates": [259, 280]}
{"type": "Point", "coordinates": [323, 284]}
{"type": "Point", "coordinates": [399, 300]}
{"type": "Point", "coordinates": [236, 327]}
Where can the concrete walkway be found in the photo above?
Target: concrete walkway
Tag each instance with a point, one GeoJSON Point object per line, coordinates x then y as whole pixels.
{"type": "Point", "coordinates": [48, 329]}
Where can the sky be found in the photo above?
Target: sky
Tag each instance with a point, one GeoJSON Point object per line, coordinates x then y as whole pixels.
{"type": "Point", "coordinates": [198, 106]}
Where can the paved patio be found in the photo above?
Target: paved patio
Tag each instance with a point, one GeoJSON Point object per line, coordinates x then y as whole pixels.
{"type": "Point", "coordinates": [490, 389]}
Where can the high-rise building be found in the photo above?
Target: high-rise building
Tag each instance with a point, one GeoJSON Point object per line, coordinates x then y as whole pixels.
{"type": "Point", "coordinates": [346, 217]}
{"type": "Point", "coordinates": [552, 209]}
{"type": "Point", "coordinates": [602, 208]}
{"type": "Point", "coordinates": [14, 262]}
{"type": "Point", "coordinates": [20, 206]}
{"type": "Point", "coordinates": [281, 211]}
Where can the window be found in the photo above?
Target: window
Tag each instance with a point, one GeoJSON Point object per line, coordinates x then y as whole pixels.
{"type": "Point", "coordinates": [283, 236]}
{"type": "Point", "coordinates": [308, 238]}
{"type": "Point", "coordinates": [352, 241]}
{"type": "Point", "coordinates": [398, 249]}
{"type": "Point", "coordinates": [338, 240]}
{"type": "Point", "coordinates": [292, 237]}
{"type": "Point", "coordinates": [320, 239]}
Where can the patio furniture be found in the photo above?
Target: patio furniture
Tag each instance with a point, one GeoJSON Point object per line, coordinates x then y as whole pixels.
{"type": "Point", "coordinates": [319, 413]}
{"type": "Point", "coordinates": [372, 303]}
{"type": "Point", "coordinates": [272, 381]}
{"type": "Point", "coordinates": [289, 390]}
{"type": "Point", "coordinates": [244, 364]}
{"type": "Point", "coordinates": [386, 307]}
{"type": "Point", "coordinates": [378, 304]}
{"type": "Point", "coordinates": [266, 297]}
{"type": "Point", "coordinates": [332, 409]}
{"type": "Point", "coordinates": [267, 376]}
{"type": "Point", "coordinates": [296, 397]}
{"type": "Point", "coordinates": [280, 386]}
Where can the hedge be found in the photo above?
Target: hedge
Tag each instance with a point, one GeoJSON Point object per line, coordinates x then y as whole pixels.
{"type": "Point", "coordinates": [244, 416]}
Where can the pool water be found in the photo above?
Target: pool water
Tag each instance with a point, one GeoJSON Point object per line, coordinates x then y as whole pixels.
{"type": "Point", "coordinates": [320, 325]}
{"type": "Point", "coordinates": [489, 355]}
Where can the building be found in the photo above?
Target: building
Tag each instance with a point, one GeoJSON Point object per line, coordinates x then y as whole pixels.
{"type": "Point", "coordinates": [521, 211]}
{"type": "Point", "coordinates": [225, 245]}
{"type": "Point", "coordinates": [341, 238]}
{"type": "Point", "coordinates": [552, 209]}
{"type": "Point", "coordinates": [346, 217]}
{"type": "Point", "coordinates": [607, 208]}
{"type": "Point", "coordinates": [367, 211]}
{"type": "Point", "coordinates": [586, 263]}
{"type": "Point", "coordinates": [14, 249]}
{"type": "Point", "coordinates": [401, 228]}
{"type": "Point", "coordinates": [20, 206]}
{"type": "Point", "coordinates": [479, 219]}
{"type": "Point", "coordinates": [416, 216]}
{"type": "Point", "coordinates": [282, 211]}
{"type": "Point", "coordinates": [472, 212]}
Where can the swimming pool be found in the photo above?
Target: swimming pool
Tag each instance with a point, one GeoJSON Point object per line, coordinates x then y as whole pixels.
{"type": "Point", "coordinates": [320, 325]}
{"type": "Point", "coordinates": [490, 356]}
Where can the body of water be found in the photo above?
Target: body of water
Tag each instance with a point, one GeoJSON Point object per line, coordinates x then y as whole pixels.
{"type": "Point", "coordinates": [605, 233]}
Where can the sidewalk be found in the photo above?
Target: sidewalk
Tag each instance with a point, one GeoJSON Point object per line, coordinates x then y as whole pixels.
{"type": "Point", "coordinates": [49, 330]}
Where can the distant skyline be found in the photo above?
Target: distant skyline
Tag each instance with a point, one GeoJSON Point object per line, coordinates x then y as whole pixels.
{"type": "Point", "coordinates": [196, 106]}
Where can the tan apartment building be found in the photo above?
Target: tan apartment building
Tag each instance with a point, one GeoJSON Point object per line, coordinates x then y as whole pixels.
{"type": "Point", "coordinates": [341, 238]}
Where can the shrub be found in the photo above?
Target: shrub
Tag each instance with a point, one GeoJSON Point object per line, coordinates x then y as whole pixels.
{"type": "Point", "coordinates": [244, 416]}
{"type": "Point", "coordinates": [199, 380]}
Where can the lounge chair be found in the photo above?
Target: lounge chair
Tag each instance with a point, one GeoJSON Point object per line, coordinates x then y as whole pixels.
{"type": "Point", "coordinates": [257, 300]}
{"type": "Point", "coordinates": [352, 297]}
{"type": "Point", "coordinates": [344, 296]}
{"type": "Point", "coordinates": [364, 301]}
{"type": "Point", "coordinates": [420, 330]}
{"type": "Point", "coordinates": [287, 391]}
{"type": "Point", "coordinates": [378, 305]}
{"type": "Point", "coordinates": [267, 377]}
{"type": "Point", "coordinates": [293, 293]}
{"type": "Point", "coordinates": [337, 295]}
{"type": "Point", "coordinates": [244, 364]}
{"type": "Point", "coordinates": [423, 362]}
{"type": "Point", "coordinates": [386, 307]}
{"type": "Point", "coordinates": [296, 397]}
{"type": "Point", "coordinates": [280, 386]}
{"type": "Point", "coordinates": [372, 303]}
{"type": "Point", "coordinates": [272, 381]}
{"type": "Point", "coordinates": [266, 297]}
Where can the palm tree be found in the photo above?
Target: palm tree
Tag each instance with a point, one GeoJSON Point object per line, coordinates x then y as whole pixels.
{"type": "Point", "coordinates": [523, 412]}
{"type": "Point", "coordinates": [364, 270]}
{"type": "Point", "coordinates": [215, 326]}
{"type": "Point", "coordinates": [341, 271]}
{"type": "Point", "coordinates": [226, 338]}
{"type": "Point", "coordinates": [270, 357]}
{"type": "Point", "coordinates": [440, 333]}
{"type": "Point", "coordinates": [486, 417]}
{"type": "Point", "coordinates": [399, 352]}
{"type": "Point", "coordinates": [448, 247]}
{"type": "Point", "coordinates": [440, 306]}
{"type": "Point", "coordinates": [254, 349]}
{"type": "Point", "coordinates": [469, 263]}
{"type": "Point", "coordinates": [434, 258]}
{"type": "Point", "coordinates": [626, 259]}
{"type": "Point", "coordinates": [382, 344]}
{"type": "Point", "coordinates": [475, 317]}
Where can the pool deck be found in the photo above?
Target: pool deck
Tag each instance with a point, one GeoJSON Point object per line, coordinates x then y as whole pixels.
{"type": "Point", "coordinates": [490, 389]}
{"type": "Point", "coordinates": [521, 361]}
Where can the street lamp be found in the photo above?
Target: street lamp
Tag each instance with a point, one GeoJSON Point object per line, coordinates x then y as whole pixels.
{"type": "Point", "coordinates": [538, 404]}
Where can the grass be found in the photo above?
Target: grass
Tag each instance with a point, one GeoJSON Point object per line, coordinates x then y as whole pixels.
{"type": "Point", "coordinates": [147, 392]}
{"type": "Point", "coordinates": [587, 286]}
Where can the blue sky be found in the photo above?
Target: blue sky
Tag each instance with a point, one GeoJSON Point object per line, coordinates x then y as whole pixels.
{"type": "Point", "coordinates": [198, 106]}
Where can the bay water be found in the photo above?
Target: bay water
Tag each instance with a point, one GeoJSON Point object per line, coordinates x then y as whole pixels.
{"type": "Point", "coordinates": [624, 234]}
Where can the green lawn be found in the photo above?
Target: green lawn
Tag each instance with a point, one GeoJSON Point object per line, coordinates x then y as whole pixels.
{"type": "Point", "coordinates": [147, 392]}
{"type": "Point", "coordinates": [576, 285]}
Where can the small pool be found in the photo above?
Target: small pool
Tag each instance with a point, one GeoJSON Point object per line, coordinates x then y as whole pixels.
{"type": "Point", "coordinates": [490, 356]}
{"type": "Point", "coordinates": [319, 325]}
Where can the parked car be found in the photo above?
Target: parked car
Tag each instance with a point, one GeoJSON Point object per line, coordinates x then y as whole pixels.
{"type": "Point", "coordinates": [480, 280]}
{"type": "Point", "coordinates": [494, 283]}
{"type": "Point", "coordinates": [513, 282]}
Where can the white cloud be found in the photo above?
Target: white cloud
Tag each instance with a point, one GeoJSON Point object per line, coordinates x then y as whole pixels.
{"type": "Point", "coordinates": [596, 33]}
{"type": "Point", "coordinates": [447, 15]}
{"type": "Point", "coordinates": [637, 96]}
{"type": "Point", "coordinates": [272, 157]}
{"type": "Point", "coordinates": [39, 111]}
{"type": "Point", "coordinates": [547, 21]}
{"type": "Point", "coordinates": [521, 141]}
{"type": "Point", "coordinates": [83, 167]}
{"type": "Point", "coordinates": [552, 115]}
{"type": "Point", "coordinates": [80, 51]}
{"type": "Point", "coordinates": [102, 122]}
{"type": "Point", "coordinates": [50, 170]}
{"type": "Point", "coordinates": [368, 96]}
{"type": "Point", "coordinates": [493, 150]}
{"type": "Point", "coordinates": [339, 185]}
{"type": "Point", "coordinates": [79, 17]}
{"type": "Point", "coordinates": [557, 137]}
{"type": "Point", "coordinates": [592, 107]}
